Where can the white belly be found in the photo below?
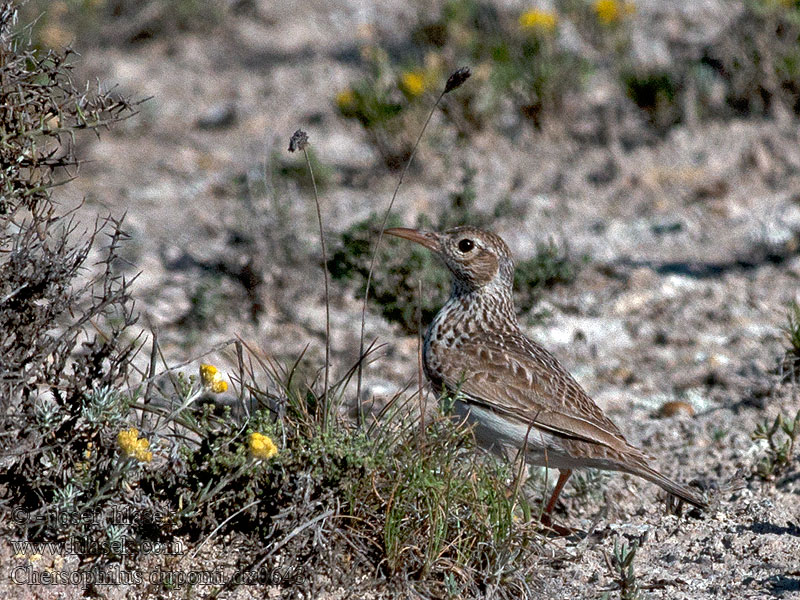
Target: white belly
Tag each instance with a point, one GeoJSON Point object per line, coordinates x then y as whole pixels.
{"type": "Point", "coordinates": [507, 438]}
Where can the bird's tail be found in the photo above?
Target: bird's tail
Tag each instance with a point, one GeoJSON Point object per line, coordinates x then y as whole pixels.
{"type": "Point", "coordinates": [673, 487]}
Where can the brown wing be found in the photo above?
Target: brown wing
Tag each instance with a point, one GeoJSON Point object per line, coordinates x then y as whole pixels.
{"type": "Point", "coordinates": [514, 376]}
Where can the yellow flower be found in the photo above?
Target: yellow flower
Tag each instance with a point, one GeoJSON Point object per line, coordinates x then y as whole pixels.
{"type": "Point", "coordinates": [345, 100]}
{"type": "Point", "coordinates": [87, 454]}
{"type": "Point", "coordinates": [133, 446]}
{"type": "Point", "coordinates": [261, 446]}
{"type": "Point", "coordinates": [538, 20]}
{"type": "Point", "coordinates": [611, 11]}
{"type": "Point", "coordinates": [35, 557]}
{"type": "Point", "coordinates": [212, 379]}
{"type": "Point", "coordinates": [413, 82]}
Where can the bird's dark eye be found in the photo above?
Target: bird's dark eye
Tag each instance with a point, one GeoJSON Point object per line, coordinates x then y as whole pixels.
{"type": "Point", "coordinates": [466, 245]}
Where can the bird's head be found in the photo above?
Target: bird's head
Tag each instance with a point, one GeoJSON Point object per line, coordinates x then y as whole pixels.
{"type": "Point", "coordinates": [476, 258]}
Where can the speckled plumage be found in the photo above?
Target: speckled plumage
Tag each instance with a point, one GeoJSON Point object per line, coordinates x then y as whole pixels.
{"type": "Point", "coordinates": [514, 391]}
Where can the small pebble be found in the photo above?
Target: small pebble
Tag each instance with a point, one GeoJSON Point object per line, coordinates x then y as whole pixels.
{"type": "Point", "coordinates": [675, 408]}
{"type": "Point", "coordinates": [220, 116]}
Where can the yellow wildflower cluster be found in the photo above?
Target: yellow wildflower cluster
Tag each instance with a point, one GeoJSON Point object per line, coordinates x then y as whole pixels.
{"type": "Point", "coordinates": [212, 380]}
{"type": "Point", "coordinates": [133, 446]}
{"type": "Point", "coordinates": [611, 11]}
{"type": "Point", "coordinates": [413, 83]}
{"type": "Point", "coordinates": [346, 100]}
{"type": "Point", "coordinates": [538, 20]}
{"type": "Point", "coordinates": [261, 446]}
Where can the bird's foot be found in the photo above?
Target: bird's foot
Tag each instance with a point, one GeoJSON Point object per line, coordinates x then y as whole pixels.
{"type": "Point", "coordinates": [559, 530]}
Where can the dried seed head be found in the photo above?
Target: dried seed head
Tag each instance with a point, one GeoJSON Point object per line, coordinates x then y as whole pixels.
{"type": "Point", "coordinates": [456, 79]}
{"type": "Point", "coordinates": [299, 141]}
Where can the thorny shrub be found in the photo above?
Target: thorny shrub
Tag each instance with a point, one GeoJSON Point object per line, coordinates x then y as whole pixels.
{"type": "Point", "coordinates": [63, 321]}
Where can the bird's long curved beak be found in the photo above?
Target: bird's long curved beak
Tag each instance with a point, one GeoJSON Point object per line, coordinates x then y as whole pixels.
{"type": "Point", "coordinates": [429, 239]}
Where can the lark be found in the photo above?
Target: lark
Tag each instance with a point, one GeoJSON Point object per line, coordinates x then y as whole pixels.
{"type": "Point", "coordinates": [514, 393]}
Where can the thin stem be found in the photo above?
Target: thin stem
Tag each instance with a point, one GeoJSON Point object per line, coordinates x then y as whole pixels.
{"type": "Point", "coordinates": [151, 374]}
{"type": "Point", "coordinates": [240, 362]}
{"type": "Point", "coordinates": [325, 403]}
{"type": "Point", "coordinates": [377, 247]}
{"type": "Point", "coordinates": [422, 403]}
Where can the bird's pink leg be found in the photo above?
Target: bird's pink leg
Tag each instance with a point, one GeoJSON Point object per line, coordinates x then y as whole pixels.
{"type": "Point", "coordinates": [546, 520]}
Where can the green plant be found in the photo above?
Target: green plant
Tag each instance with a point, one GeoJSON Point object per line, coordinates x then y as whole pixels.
{"type": "Point", "coordinates": [532, 68]}
{"type": "Point", "coordinates": [779, 452]}
{"type": "Point", "coordinates": [394, 290]}
{"type": "Point", "coordinates": [792, 333]}
{"type": "Point", "coordinates": [379, 105]}
{"type": "Point", "coordinates": [656, 93]}
{"type": "Point", "coordinates": [78, 472]}
{"type": "Point", "coordinates": [451, 506]}
{"type": "Point", "coordinates": [296, 170]}
{"type": "Point", "coordinates": [514, 57]}
{"type": "Point", "coordinates": [718, 434]}
{"type": "Point", "coordinates": [781, 435]}
{"type": "Point", "coordinates": [621, 566]}
{"type": "Point", "coordinates": [421, 507]}
{"type": "Point", "coordinates": [550, 266]}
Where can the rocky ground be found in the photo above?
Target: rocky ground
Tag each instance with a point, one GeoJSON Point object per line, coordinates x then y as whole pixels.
{"type": "Point", "coordinates": [692, 246]}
